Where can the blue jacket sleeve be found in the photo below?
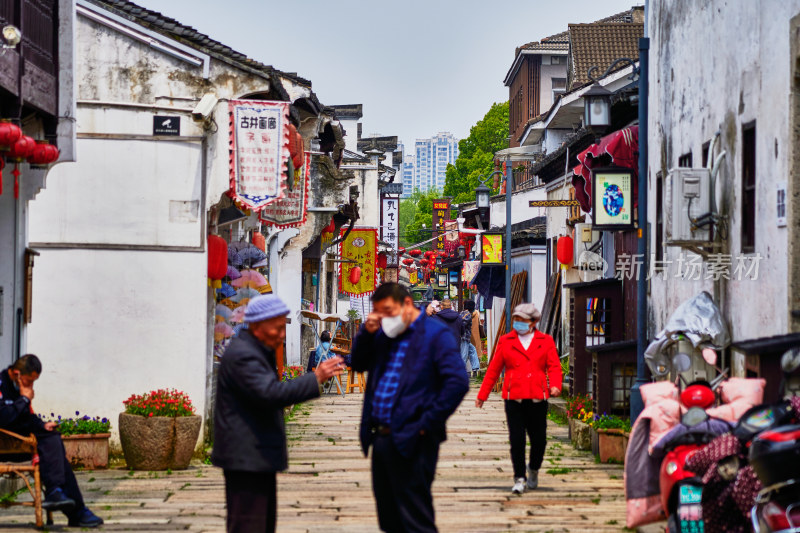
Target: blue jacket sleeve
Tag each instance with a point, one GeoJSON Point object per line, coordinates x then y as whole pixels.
{"type": "Point", "coordinates": [453, 379]}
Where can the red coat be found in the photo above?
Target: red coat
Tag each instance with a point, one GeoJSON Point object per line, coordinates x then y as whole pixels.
{"type": "Point", "coordinates": [527, 371]}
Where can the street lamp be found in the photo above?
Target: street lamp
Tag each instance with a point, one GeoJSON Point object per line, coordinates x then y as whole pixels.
{"type": "Point", "coordinates": [482, 196]}
{"type": "Point", "coordinates": [597, 107]}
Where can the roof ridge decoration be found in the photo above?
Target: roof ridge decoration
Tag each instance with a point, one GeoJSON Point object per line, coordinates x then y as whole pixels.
{"type": "Point", "coordinates": [155, 21]}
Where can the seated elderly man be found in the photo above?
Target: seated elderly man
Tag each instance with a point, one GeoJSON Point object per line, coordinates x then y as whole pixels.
{"type": "Point", "coordinates": [16, 414]}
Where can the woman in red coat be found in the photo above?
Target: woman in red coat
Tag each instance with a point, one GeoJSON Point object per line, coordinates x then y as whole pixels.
{"type": "Point", "coordinates": [533, 374]}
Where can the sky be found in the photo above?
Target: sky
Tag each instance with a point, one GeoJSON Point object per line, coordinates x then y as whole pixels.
{"type": "Point", "coordinates": [419, 67]}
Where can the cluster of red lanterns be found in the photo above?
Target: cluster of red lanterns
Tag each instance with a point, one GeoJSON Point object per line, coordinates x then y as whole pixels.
{"type": "Point", "coordinates": [17, 147]}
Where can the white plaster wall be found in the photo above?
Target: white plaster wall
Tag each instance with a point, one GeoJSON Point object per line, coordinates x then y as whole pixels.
{"type": "Point", "coordinates": [109, 324]}
{"type": "Point", "coordinates": [549, 72]}
{"type": "Point", "coordinates": [715, 66]}
{"type": "Point", "coordinates": [520, 211]}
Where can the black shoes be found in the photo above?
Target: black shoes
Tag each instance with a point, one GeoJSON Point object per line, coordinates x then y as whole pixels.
{"type": "Point", "coordinates": [56, 500]}
{"type": "Point", "coordinates": [85, 518]}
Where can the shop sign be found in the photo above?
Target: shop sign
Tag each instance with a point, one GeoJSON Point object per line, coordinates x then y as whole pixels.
{"type": "Point", "coordinates": [442, 281]}
{"type": "Point", "coordinates": [412, 277]}
{"type": "Point", "coordinates": [390, 229]}
{"type": "Point", "coordinates": [259, 151]}
{"type": "Point", "coordinates": [165, 125]}
{"type": "Point", "coordinates": [612, 199]}
{"type": "Point", "coordinates": [292, 209]}
{"type": "Point", "coordinates": [469, 270]}
{"type": "Point", "coordinates": [441, 212]}
{"type": "Point", "coordinates": [358, 271]}
{"type": "Point", "coordinates": [492, 248]}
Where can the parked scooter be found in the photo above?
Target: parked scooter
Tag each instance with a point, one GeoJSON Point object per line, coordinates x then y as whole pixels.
{"type": "Point", "coordinates": [775, 458]}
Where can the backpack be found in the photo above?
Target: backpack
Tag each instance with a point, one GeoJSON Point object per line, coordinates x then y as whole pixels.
{"type": "Point", "coordinates": [466, 325]}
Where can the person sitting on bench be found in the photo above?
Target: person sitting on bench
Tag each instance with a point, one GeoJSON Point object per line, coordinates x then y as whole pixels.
{"type": "Point", "coordinates": [16, 414]}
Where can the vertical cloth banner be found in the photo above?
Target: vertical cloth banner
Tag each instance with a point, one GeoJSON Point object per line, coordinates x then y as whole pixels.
{"type": "Point", "coordinates": [292, 209]}
{"type": "Point", "coordinates": [389, 228]}
{"type": "Point", "coordinates": [451, 241]}
{"type": "Point", "coordinates": [259, 151]}
{"type": "Point", "coordinates": [358, 250]}
{"type": "Point", "coordinates": [469, 270]}
{"type": "Point", "coordinates": [441, 212]}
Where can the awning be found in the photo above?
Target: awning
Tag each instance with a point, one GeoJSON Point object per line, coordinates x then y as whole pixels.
{"type": "Point", "coordinates": [621, 149]}
{"type": "Point", "coordinates": [520, 153]}
{"type": "Point", "coordinates": [491, 281]}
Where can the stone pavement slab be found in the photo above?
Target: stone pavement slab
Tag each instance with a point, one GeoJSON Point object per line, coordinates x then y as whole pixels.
{"type": "Point", "coordinates": [328, 484]}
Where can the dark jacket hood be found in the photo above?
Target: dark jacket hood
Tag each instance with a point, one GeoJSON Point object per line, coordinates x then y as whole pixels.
{"type": "Point", "coordinates": [448, 315]}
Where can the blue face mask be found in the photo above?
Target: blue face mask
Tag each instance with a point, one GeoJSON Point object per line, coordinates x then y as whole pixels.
{"type": "Point", "coordinates": [521, 327]}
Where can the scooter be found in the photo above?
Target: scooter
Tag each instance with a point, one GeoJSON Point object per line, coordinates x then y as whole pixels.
{"type": "Point", "coordinates": [775, 458]}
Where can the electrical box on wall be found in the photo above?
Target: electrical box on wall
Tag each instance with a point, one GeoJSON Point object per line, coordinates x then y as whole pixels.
{"type": "Point", "coordinates": [689, 196]}
{"type": "Point", "coordinates": [585, 239]}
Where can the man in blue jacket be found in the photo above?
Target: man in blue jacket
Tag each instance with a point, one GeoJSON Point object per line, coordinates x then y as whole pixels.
{"type": "Point", "coordinates": [416, 381]}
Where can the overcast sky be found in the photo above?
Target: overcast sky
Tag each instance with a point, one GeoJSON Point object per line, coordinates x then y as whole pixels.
{"type": "Point", "coordinates": [418, 66]}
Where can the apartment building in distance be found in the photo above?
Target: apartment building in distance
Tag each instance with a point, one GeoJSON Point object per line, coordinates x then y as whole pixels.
{"type": "Point", "coordinates": [431, 157]}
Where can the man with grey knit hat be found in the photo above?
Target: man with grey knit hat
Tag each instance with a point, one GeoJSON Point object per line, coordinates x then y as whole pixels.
{"type": "Point", "coordinates": [249, 433]}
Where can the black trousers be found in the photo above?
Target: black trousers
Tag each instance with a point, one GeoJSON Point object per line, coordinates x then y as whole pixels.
{"type": "Point", "coordinates": [526, 417]}
{"type": "Point", "coordinates": [252, 501]}
{"type": "Point", "coordinates": [53, 465]}
{"type": "Point", "coordinates": [402, 485]}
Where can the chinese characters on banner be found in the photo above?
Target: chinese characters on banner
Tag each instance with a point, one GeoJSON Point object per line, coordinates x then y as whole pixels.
{"type": "Point", "coordinates": [291, 210]}
{"type": "Point", "coordinates": [259, 150]}
{"type": "Point", "coordinates": [390, 228]}
{"type": "Point", "coordinates": [441, 212]}
{"type": "Point", "coordinates": [451, 237]}
{"type": "Point", "coordinates": [360, 247]}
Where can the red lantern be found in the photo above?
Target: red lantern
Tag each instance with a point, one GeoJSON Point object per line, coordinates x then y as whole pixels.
{"type": "Point", "coordinates": [217, 259]}
{"type": "Point", "coordinates": [259, 241]}
{"type": "Point", "coordinates": [330, 228]}
{"type": "Point", "coordinates": [564, 251]}
{"type": "Point", "coordinates": [9, 134]}
{"type": "Point", "coordinates": [401, 250]}
{"type": "Point", "coordinates": [382, 261]}
{"type": "Point", "coordinates": [43, 153]}
{"type": "Point", "coordinates": [355, 275]}
{"type": "Point", "coordinates": [21, 149]}
{"type": "Point", "coordinates": [408, 261]}
{"type": "Point", "coordinates": [415, 252]}
{"type": "Point", "coordinates": [295, 146]}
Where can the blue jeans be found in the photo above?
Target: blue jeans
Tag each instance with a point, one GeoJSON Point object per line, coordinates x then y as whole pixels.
{"type": "Point", "coordinates": [469, 353]}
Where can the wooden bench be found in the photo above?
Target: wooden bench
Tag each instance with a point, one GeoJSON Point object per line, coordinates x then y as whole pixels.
{"type": "Point", "coordinates": [12, 443]}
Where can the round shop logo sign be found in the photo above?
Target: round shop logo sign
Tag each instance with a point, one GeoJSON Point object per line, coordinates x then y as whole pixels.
{"type": "Point", "coordinates": [359, 242]}
{"type": "Point", "coordinates": [613, 200]}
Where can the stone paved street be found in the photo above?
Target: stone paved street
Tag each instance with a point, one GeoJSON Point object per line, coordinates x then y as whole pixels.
{"type": "Point", "coordinates": [327, 487]}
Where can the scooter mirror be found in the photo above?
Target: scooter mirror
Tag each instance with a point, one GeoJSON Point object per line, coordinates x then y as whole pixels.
{"type": "Point", "coordinates": [710, 356]}
{"type": "Point", "coordinates": [791, 360]}
{"type": "Point", "coordinates": [681, 362]}
{"type": "Point", "coordinates": [659, 366]}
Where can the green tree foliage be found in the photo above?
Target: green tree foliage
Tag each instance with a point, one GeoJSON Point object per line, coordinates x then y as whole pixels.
{"type": "Point", "coordinates": [415, 211]}
{"type": "Point", "coordinates": [476, 154]}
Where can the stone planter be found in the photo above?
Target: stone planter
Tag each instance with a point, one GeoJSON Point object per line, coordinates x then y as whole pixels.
{"type": "Point", "coordinates": [611, 445]}
{"type": "Point", "coordinates": [87, 451]}
{"type": "Point", "coordinates": [159, 442]}
{"type": "Point", "coordinates": [580, 434]}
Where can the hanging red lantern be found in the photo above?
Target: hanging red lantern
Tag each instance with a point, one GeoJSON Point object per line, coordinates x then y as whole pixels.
{"type": "Point", "coordinates": [259, 241]}
{"type": "Point", "coordinates": [43, 153]}
{"type": "Point", "coordinates": [355, 275]}
{"type": "Point", "coordinates": [408, 261]}
{"type": "Point", "coordinates": [295, 146]}
{"type": "Point", "coordinates": [564, 251]}
{"type": "Point", "coordinates": [17, 152]}
{"type": "Point", "coordinates": [416, 252]}
{"type": "Point", "coordinates": [9, 134]}
{"type": "Point", "coordinates": [330, 228]}
{"type": "Point", "coordinates": [217, 260]}
{"type": "Point", "coordinates": [382, 261]}
{"type": "Point", "coordinates": [401, 250]}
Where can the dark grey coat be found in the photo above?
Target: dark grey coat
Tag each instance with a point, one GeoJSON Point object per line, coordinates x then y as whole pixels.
{"type": "Point", "coordinates": [249, 433]}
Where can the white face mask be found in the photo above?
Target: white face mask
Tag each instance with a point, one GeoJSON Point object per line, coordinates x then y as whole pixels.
{"type": "Point", "coordinates": [393, 325]}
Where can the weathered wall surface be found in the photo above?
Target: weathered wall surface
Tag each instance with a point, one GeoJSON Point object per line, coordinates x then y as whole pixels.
{"type": "Point", "coordinates": [715, 66]}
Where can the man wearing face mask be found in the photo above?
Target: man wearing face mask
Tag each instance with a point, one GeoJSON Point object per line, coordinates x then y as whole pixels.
{"type": "Point", "coordinates": [416, 381]}
{"type": "Point", "coordinates": [533, 374]}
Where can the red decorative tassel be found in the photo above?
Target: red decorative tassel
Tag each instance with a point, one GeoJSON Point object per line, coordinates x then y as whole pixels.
{"type": "Point", "coordinates": [15, 172]}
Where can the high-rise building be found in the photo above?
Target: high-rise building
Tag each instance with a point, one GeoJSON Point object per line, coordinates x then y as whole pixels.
{"type": "Point", "coordinates": [431, 157]}
{"type": "Point", "coordinates": [408, 175]}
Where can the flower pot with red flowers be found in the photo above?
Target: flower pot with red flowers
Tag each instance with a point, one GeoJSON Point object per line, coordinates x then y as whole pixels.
{"type": "Point", "coordinates": [159, 430]}
{"type": "Point", "coordinates": [85, 439]}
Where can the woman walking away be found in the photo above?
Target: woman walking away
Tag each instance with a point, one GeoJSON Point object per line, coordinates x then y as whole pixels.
{"type": "Point", "coordinates": [533, 374]}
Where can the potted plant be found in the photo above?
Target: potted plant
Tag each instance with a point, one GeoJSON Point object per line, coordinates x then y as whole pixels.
{"type": "Point", "coordinates": [159, 430]}
{"type": "Point", "coordinates": [610, 436]}
{"type": "Point", "coordinates": [85, 440]}
{"type": "Point", "coordinates": [579, 413]}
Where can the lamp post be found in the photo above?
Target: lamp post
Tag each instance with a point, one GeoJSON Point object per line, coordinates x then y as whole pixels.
{"type": "Point", "coordinates": [597, 98]}
{"type": "Point", "coordinates": [482, 196]}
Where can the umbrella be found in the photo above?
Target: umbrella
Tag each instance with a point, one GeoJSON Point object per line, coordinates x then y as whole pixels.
{"type": "Point", "coordinates": [226, 290]}
{"type": "Point", "coordinates": [250, 278]}
{"type": "Point", "coordinates": [264, 262]}
{"type": "Point", "coordinates": [246, 292]}
{"type": "Point", "coordinates": [222, 331]}
{"type": "Point", "coordinates": [230, 304]}
{"type": "Point", "coordinates": [251, 255]}
{"type": "Point", "coordinates": [238, 314]}
{"type": "Point", "coordinates": [223, 311]}
{"type": "Point", "coordinates": [234, 258]}
{"type": "Point", "coordinates": [232, 273]}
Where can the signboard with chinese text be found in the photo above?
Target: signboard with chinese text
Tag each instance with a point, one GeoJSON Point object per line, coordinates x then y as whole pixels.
{"type": "Point", "coordinates": [442, 280]}
{"type": "Point", "coordinates": [412, 277]}
{"type": "Point", "coordinates": [166, 125]}
{"type": "Point", "coordinates": [292, 209]}
{"type": "Point", "coordinates": [359, 249]}
{"type": "Point", "coordinates": [390, 229]}
{"type": "Point", "coordinates": [612, 199]}
{"type": "Point", "coordinates": [492, 248]}
{"type": "Point", "coordinates": [451, 237]}
{"type": "Point", "coordinates": [441, 212]}
{"type": "Point", "coordinates": [259, 150]}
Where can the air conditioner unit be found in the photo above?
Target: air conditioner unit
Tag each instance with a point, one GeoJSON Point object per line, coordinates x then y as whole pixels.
{"type": "Point", "coordinates": [585, 238]}
{"type": "Point", "coordinates": [688, 220]}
